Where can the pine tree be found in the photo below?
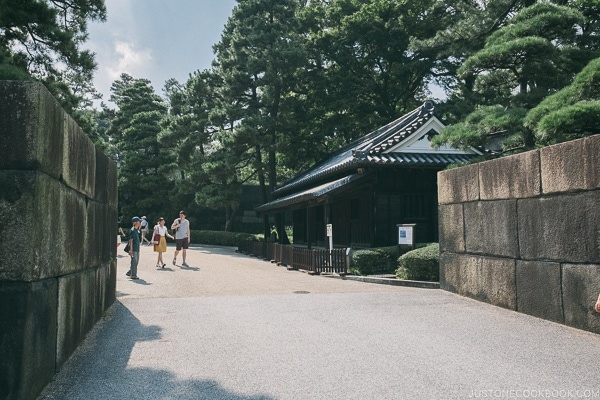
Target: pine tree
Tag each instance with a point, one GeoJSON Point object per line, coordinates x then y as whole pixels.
{"type": "Point", "coordinates": [143, 178]}
{"type": "Point", "coordinates": [258, 57]}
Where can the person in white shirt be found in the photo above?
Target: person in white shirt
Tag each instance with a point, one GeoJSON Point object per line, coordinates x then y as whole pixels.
{"type": "Point", "coordinates": [160, 245]}
{"type": "Point", "coordinates": [182, 237]}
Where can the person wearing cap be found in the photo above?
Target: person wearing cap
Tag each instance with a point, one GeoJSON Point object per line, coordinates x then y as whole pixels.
{"type": "Point", "coordinates": [182, 236]}
{"type": "Point", "coordinates": [145, 228]}
{"type": "Point", "coordinates": [134, 247]}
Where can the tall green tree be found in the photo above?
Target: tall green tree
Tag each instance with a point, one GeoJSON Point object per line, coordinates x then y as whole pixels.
{"type": "Point", "coordinates": [144, 182]}
{"type": "Point", "coordinates": [365, 47]}
{"type": "Point", "coordinates": [41, 39]}
{"type": "Point", "coordinates": [258, 57]}
{"type": "Point", "coordinates": [205, 161]}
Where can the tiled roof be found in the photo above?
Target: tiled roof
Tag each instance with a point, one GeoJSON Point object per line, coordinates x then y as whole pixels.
{"type": "Point", "coordinates": [373, 149]}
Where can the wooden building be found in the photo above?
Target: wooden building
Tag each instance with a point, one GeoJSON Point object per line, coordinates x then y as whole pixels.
{"type": "Point", "coordinates": [387, 177]}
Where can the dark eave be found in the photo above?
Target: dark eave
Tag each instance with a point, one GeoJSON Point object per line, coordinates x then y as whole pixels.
{"type": "Point", "coordinates": [318, 193]}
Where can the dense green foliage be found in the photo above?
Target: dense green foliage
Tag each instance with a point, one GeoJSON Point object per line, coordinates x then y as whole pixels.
{"type": "Point", "coordinates": [422, 264]}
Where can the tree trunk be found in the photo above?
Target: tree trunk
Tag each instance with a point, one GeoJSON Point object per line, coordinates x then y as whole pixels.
{"type": "Point", "coordinates": [263, 187]}
{"type": "Point", "coordinates": [230, 214]}
{"type": "Point", "coordinates": [272, 161]}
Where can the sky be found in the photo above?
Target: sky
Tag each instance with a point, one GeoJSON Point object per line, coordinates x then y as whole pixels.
{"type": "Point", "coordinates": [156, 40]}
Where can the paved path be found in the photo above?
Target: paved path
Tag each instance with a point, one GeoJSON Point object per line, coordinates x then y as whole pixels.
{"type": "Point", "coordinates": [235, 327]}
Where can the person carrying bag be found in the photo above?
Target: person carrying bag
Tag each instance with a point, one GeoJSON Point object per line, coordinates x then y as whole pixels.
{"type": "Point", "coordinates": [159, 240]}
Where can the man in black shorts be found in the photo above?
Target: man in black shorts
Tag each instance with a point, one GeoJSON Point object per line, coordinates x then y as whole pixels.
{"type": "Point", "coordinates": [182, 236]}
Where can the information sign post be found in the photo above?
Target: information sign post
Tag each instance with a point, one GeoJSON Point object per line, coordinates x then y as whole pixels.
{"type": "Point", "coordinates": [406, 235]}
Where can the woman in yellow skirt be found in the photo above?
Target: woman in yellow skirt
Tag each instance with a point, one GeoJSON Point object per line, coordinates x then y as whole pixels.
{"type": "Point", "coordinates": [160, 246]}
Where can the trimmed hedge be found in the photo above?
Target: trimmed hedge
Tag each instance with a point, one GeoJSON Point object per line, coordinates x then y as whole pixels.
{"type": "Point", "coordinates": [378, 260]}
{"type": "Point", "coordinates": [421, 264]}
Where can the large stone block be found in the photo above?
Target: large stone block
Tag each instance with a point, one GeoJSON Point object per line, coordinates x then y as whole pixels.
{"type": "Point", "coordinates": [33, 127]}
{"type": "Point", "coordinates": [571, 166]}
{"type": "Point", "coordinates": [491, 280]}
{"type": "Point", "coordinates": [490, 228]}
{"type": "Point", "coordinates": [581, 285]}
{"type": "Point", "coordinates": [452, 233]}
{"type": "Point", "coordinates": [79, 161]}
{"type": "Point", "coordinates": [42, 234]}
{"type": "Point", "coordinates": [76, 311]}
{"type": "Point", "coordinates": [28, 338]}
{"type": "Point", "coordinates": [511, 177]}
{"type": "Point", "coordinates": [74, 221]}
{"type": "Point", "coordinates": [17, 214]}
{"type": "Point", "coordinates": [30, 233]}
{"type": "Point", "coordinates": [37, 134]}
{"type": "Point", "coordinates": [539, 289]}
{"type": "Point", "coordinates": [452, 271]}
{"type": "Point", "coordinates": [458, 185]}
{"type": "Point", "coordinates": [562, 228]}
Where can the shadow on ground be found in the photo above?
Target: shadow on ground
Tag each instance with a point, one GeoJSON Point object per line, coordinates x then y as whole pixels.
{"type": "Point", "coordinates": [102, 368]}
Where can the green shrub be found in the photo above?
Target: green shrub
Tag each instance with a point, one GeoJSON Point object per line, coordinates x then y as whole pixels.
{"type": "Point", "coordinates": [422, 264]}
{"type": "Point", "coordinates": [219, 238]}
{"type": "Point", "coordinates": [378, 260]}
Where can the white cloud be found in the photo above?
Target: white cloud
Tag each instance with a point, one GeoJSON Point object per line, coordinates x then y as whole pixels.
{"type": "Point", "coordinates": [155, 39]}
{"type": "Point", "coordinates": [129, 60]}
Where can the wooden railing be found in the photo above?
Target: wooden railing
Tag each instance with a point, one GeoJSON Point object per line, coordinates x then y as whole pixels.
{"type": "Point", "coordinates": [315, 261]}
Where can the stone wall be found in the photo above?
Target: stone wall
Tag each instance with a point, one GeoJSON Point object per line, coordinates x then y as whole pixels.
{"type": "Point", "coordinates": [58, 214]}
{"type": "Point", "coordinates": [523, 232]}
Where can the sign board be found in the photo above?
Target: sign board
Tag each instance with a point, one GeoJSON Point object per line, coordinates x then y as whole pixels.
{"type": "Point", "coordinates": [329, 230]}
{"type": "Point", "coordinates": [406, 234]}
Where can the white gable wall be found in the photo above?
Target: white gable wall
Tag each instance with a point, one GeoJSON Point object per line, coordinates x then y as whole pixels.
{"type": "Point", "coordinates": [419, 143]}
